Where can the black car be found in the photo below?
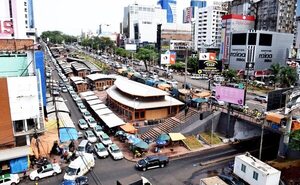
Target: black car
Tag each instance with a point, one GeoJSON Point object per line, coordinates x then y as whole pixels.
{"type": "Point", "coordinates": [152, 162]}
{"type": "Point", "coordinates": [231, 180]}
{"type": "Point", "coordinates": [82, 180]}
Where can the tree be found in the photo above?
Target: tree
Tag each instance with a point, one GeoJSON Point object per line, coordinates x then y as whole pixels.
{"type": "Point", "coordinates": [146, 55]}
{"type": "Point", "coordinates": [122, 52]}
{"type": "Point", "coordinates": [230, 74]}
{"type": "Point", "coordinates": [295, 140]}
{"type": "Point", "coordinates": [275, 73]}
{"type": "Point", "coordinates": [288, 76]}
{"type": "Point", "coordinates": [192, 63]}
{"type": "Point", "coordinates": [57, 37]}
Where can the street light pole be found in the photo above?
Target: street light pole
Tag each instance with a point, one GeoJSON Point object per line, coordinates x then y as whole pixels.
{"type": "Point", "coordinates": [261, 139]}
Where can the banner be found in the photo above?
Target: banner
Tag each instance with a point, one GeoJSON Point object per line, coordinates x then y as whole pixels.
{"type": "Point", "coordinates": [168, 58]}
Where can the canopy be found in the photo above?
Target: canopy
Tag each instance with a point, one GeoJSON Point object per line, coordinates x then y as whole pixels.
{"type": "Point", "coordinates": [129, 128]}
{"type": "Point", "coordinates": [163, 137]}
{"type": "Point", "coordinates": [14, 153]}
{"type": "Point", "coordinates": [67, 134]}
{"type": "Point", "coordinates": [111, 120]}
{"type": "Point", "coordinates": [133, 139]}
{"type": "Point", "coordinates": [176, 136]}
{"type": "Point", "coordinates": [199, 100]}
{"type": "Point", "coordinates": [202, 94]}
{"type": "Point", "coordinates": [142, 144]}
{"type": "Point", "coordinates": [274, 117]}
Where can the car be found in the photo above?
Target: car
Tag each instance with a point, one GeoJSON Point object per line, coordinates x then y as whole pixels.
{"type": "Point", "coordinates": [82, 108]}
{"type": "Point", "coordinates": [83, 124]}
{"type": "Point", "coordinates": [100, 150]}
{"type": "Point", "coordinates": [86, 115]}
{"type": "Point", "coordinates": [152, 162]}
{"type": "Point", "coordinates": [80, 135]}
{"type": "Point", "coordinates": [79, 104]}
{"type": "Point", "coordinates": [98, 130]}
{"type": "Point", "coordinates": [82, 180]}
{"type": "Point", "coordinates": [261, 98]}
{"type": "Point", "coordinates": [64, 89]}
{"type": "Point", "coordinates": [231, 180]}
{"type": "Point", "coordinates": [90, 136]}
{"type": "Point", "coordinates": [115, 152]}
{"type": "Point", "coordinates": [239, 108]}
{"type": "Point", "coordinates": [91, 122]}
{"type": "Point", "coordinates": [45, 171]}
{"type": "Point", "coordinates": [9, 179]}
{"type": "Point", "coordinates": [61, 84]}
{"type": "Point", "coordinates": [55, 92]}
{"type": "Point", "coordinates": [77, 98]}
{"type": "Point", "coordinates": [105, 139]}
{"type": "Point", "coordinates": [214, 101]}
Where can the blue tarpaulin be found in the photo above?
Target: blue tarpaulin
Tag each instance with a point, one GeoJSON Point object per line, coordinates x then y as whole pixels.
{"type": "Point", "coordinates": [18, 165]}
{"type": "Point", "coordinates": [67, 134]}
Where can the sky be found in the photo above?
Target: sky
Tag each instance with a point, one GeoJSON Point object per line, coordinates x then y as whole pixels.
{"type": "Point", "coordinates": [72, 16]}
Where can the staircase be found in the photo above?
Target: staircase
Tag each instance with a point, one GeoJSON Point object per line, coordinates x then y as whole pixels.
{"type": "Point", "coordinates": [169, 124]}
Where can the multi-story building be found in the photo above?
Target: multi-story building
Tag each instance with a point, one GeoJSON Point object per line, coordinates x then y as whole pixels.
{"type": "Point", "coordinates": [170, 7]}
{"type": "Point", "coordinates": [271, 15]}
{"type": "Point", "coordinates": [189, 12]}
{"type": "Point", "coordinates": [140, 23]}
{"type": "Point", "coordinates": [22, 85]}
{"type": "Point", "coordinates": [207, 28]}
{"type": "Point", "coordinates": [297, 33]}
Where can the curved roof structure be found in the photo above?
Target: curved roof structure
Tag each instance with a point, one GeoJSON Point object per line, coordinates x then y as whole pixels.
{"type": "Point", "coordinates": [137, 89]}
{"type": "Point", "coordinates": [98, 76]}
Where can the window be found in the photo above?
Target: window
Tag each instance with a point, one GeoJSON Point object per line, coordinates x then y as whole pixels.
{"type": "Point", "coordinates": [265, 39]}
{"type": "Point", "coordinates": [255, 175]}
{"type": "Point", "coordinates": [243, 168]}
{"type": "Point", "coordinates": [239, 39]}
{"type": "Point", "coordinates": [142, 114]}
{"type": "Point", "coordinates": [252, 39]}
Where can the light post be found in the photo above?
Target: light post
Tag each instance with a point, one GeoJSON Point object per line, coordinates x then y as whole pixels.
{"type": "Point", "coordinates": [262, 134]}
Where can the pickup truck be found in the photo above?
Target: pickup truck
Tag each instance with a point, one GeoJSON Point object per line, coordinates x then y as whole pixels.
{"type": "Point", "coordinates": [152, 162]}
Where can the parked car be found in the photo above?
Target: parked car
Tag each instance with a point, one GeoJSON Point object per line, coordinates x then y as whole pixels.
{"type": "Point", "coordinates": [9, 179]}
{"type": "Point", "coordinates": [91, 122]}
{"type": "Point", "coordinates": [82, 124]}
{"type": "Point", "coordinates": [82, 180]}
{"type": "Point", "coordinates": [86, 115]}
{"type": "Point", "coordinates": [80, 135]}
{"type": "Point", "coordinates": [261, 98]}
{"type": "Point", "coordinates": [45, 171]}
{"type": "Point", "coordinates": [98, 130]}
{"type": "Point", "coordinates": [152, 162]}
{"type": "Point", "coordinates": [115, 152]}
{"type": "Point", "coordinates": [64, 89]}
{"type": "Point", "coordinates": [90, 136]}
{"type": "Point", "coordinates": [214, 101]}
{"type": "Point", "coordinates": [82, 108]}
{"type": "Point", "coordinates": [231, 180]}
{"type": "Point", "coordinates": [104, 138]}
{"type": "Point", "coordinates": [100, 150]}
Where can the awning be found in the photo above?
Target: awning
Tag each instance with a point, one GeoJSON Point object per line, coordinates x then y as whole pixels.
{"type": "Point", "coordinates": [176, 136]}
{"type": "Point", "coordinates": [94, 102]}
{"type": "Point", "coordinates": [98, 106]}
{"type": "Point", "coordinates": [202, 94]}
{"type": "Point", "coordinates": [67, 134]}
{"type": "Point", "coordinates": [103, 111]}
{"type": "Point", "coordinates": [129, 128]}
{"type": "Point", "coordinates": [14, 153]}
{"type": "Point", "coordinates": [111, 120]}
{"type": "Point", "coordinates": [274, 117]}
{"type": "Point", "coordinates": [199, 100]}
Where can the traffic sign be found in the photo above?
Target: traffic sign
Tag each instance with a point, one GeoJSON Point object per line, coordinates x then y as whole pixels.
{"type": "Point", "coordinates": [199, 71]}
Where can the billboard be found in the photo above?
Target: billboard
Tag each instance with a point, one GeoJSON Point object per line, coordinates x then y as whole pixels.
{"type": "Point", "coordinates": [209, 63]}
{"type": "Point", "coordinates": [130, 47]}
{"type": "Point", "coordinates": [276, 99]}
{"type": "Point", "coordinates": [168, 58]}
{"type": "Point", "coordinates": [230, 95]}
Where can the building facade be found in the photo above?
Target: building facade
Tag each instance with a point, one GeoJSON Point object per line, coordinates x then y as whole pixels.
{"type": "Point", "coordinates": [208, 28]}
{"type": "Point", "coordinates": [140, 23]}
{"type": "Point", "coordinates": [170, 7]}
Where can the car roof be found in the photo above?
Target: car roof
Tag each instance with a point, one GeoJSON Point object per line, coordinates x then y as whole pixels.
{"type": "Point", "coordinates": [104, 135]}
{"type": "Point", "coordinates": [89, 132]}
{"type": "Point", "coordinates": [99, 145]}
{"type": "Point", "coordinates": [82, 120]}
{"type": "Point", "coordinates": [114, 146]}
{"type": "Point", "coordinates": [5, 176]}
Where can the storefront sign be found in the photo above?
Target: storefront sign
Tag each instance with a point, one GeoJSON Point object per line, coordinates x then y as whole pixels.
{"type": "Point", "coordinates": [6, 27]}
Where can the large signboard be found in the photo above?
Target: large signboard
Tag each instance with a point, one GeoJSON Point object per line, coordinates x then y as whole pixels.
{"type": "Point", "coordinates": [6, 23]}
{"type": "Point", "coordinates": [230, 95]}
{"type": "Point", "coordinates": [168, 58]}
{"type": "Point", "coordinates": [276, 99]}
{"type": "Point", "coordinates": [130, 47]}
{"type": "Point", "coordinates": [209, 64]}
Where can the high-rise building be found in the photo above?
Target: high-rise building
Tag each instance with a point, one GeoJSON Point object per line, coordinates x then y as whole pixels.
{"type": "Point", "coordinates": [271, 15]}
{"type": "Point", "coordinates": [140, 22]}
{"type": "Point", "coordinates": [189, 12]}
{"type": "Point", "coordinates": [207, 27]}
{"type": "Point", "coordinates": [170, 6]}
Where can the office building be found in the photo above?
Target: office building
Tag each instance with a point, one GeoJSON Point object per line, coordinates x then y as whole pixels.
{"type": "Point", "coordinates": [271, 15]}
{"type": "Point", "coordinates": [207, 28]}
{"type": "Point", "coordinates": [189, 12]}
{"type": "Point", "coordinates": [170, 7]}
{"type": "Point", "coordinates": [140, 23]}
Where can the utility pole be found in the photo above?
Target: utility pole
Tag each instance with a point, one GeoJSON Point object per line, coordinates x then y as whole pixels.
{"type": "Point", "coordinates": [262, 135]}
{"type": "Point", "coordinates": [228, 120]}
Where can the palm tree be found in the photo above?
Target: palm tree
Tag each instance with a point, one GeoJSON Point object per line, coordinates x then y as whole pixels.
{"type": "Point", "coordinates": [230, 74]}
{"type": "Point", "coordinates": [288, 76]}
{"type": "Point", "coordinates": [275, 72]}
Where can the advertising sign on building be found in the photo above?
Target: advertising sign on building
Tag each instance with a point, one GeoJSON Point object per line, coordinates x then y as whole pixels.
{"type": "Point", "coordinates": [6, 23]}
{"type": "Point", "coordinates": [209, 63]}
{"type": "Point", "coordinates": [230, 95]}
{"type": "Point", "coordinates": [168, 58]}
{"type": "Point", "coordinates": [130, 47]}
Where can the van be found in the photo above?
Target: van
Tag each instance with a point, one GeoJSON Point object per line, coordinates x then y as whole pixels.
{"type": "Point", "coordinates": [82, 147]}
{"type": "Point", "coordinates": [218, 78]}
{"type": "Point", "coordinates": [80, 166]}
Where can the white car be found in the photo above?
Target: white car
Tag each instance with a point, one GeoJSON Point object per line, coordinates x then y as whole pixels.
{"type": "Point", "coordinates": [115, 152]}
{"type": "Point", "coordinates": [90, 136]}
{"type": "Point", "coordinates": [104, 138]}
{"type": "Point", "coordinates": [98, 130]}
{"type": "Point", "coordinates": [9, 179]}
{"type": "Point", "coordinates": [45, 171]}
{"type": "Point", "coordinates": [86, 115]}
{"type": "Point", "coordinates": [82, 108]}
{"type": "Point", "coordinates": [100, 150]}
{"type": "Point", "coordinates": [82, 124]}
{"type": "Point", "coordinates": [92, 122]}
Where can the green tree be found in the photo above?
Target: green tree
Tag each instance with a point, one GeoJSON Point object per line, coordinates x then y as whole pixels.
{"type": "Point", "coordinates": [230, 74]}
{"type": "Point", "coordinates": [275, 73]}
{"type": "Point", "coordinates": [178, 66]}
{"type": "Point", "coordinates": [146, 55]}
{"type": "Point", "coordinates": [122, 52]}
{"type": "Point", "coordinates": [192, 63]}
{"type": "Point", "coordinates": [295, 140]}
{"type": "Point", "coordinates": [57, 37]}
{"type": "Point", "coordinates": [288, 76]}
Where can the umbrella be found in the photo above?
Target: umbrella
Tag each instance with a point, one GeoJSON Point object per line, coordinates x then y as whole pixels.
{"type": "Point", "coordinates": [161, 142]}
{"type": "Point", "coordinates": [133, 139]}
{"type": "Point", "coordinates": [163, 137]}
{"type": "Point", "coordinates": [142, 144]}
{"type": "Point", "coordinates": [136, 140]}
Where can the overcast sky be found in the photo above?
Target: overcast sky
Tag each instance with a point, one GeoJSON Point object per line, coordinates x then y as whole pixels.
{"type": "Point", "coordinates": [72, 16]}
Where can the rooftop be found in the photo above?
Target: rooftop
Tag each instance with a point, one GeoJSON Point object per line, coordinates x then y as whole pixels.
{"type": "Point", "coordinates": [257, 164]}
{"type": "Point", "coordinates": [98, 76]}
{"type": "Point", "coordinates": [137, 89]}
